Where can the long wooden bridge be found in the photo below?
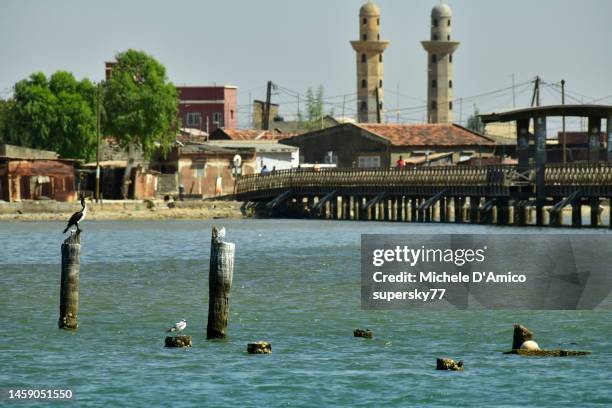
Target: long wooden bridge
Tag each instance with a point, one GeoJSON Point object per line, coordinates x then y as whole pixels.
{"type": "Point", "coordinates": [488, 194]}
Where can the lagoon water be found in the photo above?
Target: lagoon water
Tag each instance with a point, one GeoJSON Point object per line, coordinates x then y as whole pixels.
{"type": "Point", "coordinates": [297, 285]}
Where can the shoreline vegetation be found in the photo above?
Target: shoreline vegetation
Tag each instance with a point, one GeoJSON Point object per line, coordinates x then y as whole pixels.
{"type": "Point", "coordinates": [121, 210]}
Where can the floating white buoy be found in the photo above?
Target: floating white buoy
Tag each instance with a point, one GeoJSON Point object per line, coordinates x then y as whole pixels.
{"type": "Point", "coordinates": [530, 345]}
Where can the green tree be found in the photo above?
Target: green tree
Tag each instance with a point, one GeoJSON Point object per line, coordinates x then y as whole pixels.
{"type": "Point", "coordinates": [140, 104]}
{"type": "Point", "coordinates": [314, 109]}
{"type": "Point", "coordinates": [475, 123]}
{"type": "Point", "coordinates": [55, 114]}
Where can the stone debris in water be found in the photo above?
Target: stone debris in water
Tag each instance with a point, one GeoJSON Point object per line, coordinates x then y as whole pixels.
{"type": "Point", "coordinates": [178, 341]}
{"type": "Point", "coordinates": [523, 345]}
{"type": "Point", "coordinates": [548, 353]}
{"type": "Point", "coordinates": [367, 333]}
{"type": "Point", "coordinates": [449, 364]}
{"type": "Point", "coordinates": [260, 347]}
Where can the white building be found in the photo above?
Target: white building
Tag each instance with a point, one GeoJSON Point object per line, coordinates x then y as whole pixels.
{"type": "Point", "coordinates": [268, 153]}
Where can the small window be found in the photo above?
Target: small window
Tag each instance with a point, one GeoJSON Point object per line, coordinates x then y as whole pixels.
{"type": "Point", "coordinates": [450, 58]}
{"type": "Point", "coordinates": [448, 23]}
{"type": "Point", "coordinates": [330, 158]}
{"type": "Point", "coordinates": [217, 118]}
{"type": "Point", "coordinates": [364, 21]}
{"type": "Point", "coordinates": [378, 21]}
{"type": "Point", "coordinates": [434, 105]}
{"type": "Point", "coordinates": [368, 161]}
{"type": "Point", "coordinates": [364, 83]}
{"type": "Point", "coordinates": [363, 58]}
{"type": "Point", "coordinates": [364, 106]}
{"type": "Point", "coordinates": [378, 37]}
{"type": "Point", "coordinates": [434, 58]}
{"type": "Point", "coordinates": [450, 105]}
{"type": "Point", "coordinates": [434, 83]}
{"type": "Point", "coordinates": [435, 22]}
{"type": "Point", "coordinates": [450, 83]}
{"type": "Point", "coordinates": [448, 37]}
{"type": "Point", "coordinates": [380, 83]}
{"type": "Point", "coordinates": [379, 57]}
{"type": "Point", "coordinates": [435, 37]}
{"type": "Point", "coordinates": [194, 119]}
{"type": "Point", "coordinates": [380, 105]}
{"type": "Point", "coordinates": [365, 37]}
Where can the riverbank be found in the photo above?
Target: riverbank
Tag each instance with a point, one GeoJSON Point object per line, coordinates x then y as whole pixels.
{"type": "Point", "coordinates": [121, 210]}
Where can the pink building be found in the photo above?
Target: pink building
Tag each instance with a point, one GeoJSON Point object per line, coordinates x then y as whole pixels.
{"type": "Point", "coordinates": [202, 107]}
{"type": "Point", "coordinates": [208, 107]}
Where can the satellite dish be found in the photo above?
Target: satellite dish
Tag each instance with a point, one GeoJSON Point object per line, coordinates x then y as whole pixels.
{"type": "Point", "coordinates": [237, 160]}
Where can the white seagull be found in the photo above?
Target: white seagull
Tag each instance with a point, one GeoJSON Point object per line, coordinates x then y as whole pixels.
{"type": "Point", "coordinates": [178, 326]}
{"type": "Point", "coordinates": [218, 234]}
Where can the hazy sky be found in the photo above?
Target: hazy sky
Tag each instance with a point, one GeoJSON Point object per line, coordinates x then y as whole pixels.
{"type": "Point", "coordinates": [297, 44]}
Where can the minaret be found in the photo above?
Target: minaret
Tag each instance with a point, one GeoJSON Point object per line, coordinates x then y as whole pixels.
{"type": "Point", "coordinates": [369, 51]}
{"type": "Point", "coordinates": [440, 50]}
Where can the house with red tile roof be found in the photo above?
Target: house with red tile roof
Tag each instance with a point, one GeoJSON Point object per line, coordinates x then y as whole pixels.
{"type": "Point", "coordinates": [381, 145]}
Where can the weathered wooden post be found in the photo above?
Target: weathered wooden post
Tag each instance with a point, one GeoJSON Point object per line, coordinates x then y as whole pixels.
{"type": "Point", "coordinates": [69, 289]}
{"type": "Point", "coordinates": [220, 278]}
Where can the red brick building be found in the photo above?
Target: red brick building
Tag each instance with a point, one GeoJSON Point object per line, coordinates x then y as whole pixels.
{"type": "Point", "coordinates": [206, 108]}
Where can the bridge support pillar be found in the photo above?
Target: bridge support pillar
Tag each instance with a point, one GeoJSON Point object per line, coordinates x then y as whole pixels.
{"type": "Point", "coordinates": [442, 204]}
{"type": "Point", "coordinates": [474, 204]}
{"type": "Point", "coordinates": [595, 211]}
{"type": "Point", "coordinates": [503, 211]}
{"type": "Point", "coordinates": [540, 159]}
{"type": "Point", "coordinates": [459, 203]}
{"type": "Point", "coordinates": [577, 213]}
{"type": "Point", "coordinates": [594, 143]}
{"type": "Point", "coordinates": [413, 209]}
{"type": "Point", "coordinates": [519, 216]}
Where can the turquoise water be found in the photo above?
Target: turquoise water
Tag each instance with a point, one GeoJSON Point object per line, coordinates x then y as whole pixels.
{"type": "Point", "coordinates": [297, 285]}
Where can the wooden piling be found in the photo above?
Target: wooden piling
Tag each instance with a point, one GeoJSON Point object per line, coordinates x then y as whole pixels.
{"type": "Point", "coordinates": [594, 204]}
{"type": "Point", "coordinates": [474, 204]}
{"type": "Point", "coordinates": [220, 278]}
{"type": "Point", "coordinates": [69, 289]}
{"type": "Point", "coordinates": [577, 213]}
{"type": "Point", "coordinates": [443, 210]}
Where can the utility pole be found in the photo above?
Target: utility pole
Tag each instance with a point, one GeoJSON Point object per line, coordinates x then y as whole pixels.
{"type": "Point", "coordinates": [298, 117]}
{"type": "Point", "coordinates": [563, 122]}
{"type": "Point", "coordinates": [266, 110]}
{"type": "Point", "coordinates": [98, 143]}
{"type": "Point", "coordinates": [343, 103]}
{"type": "Point", "coordinates": [513, 93]}
{"type": "Point", "coordinates": [461, 111]}
{"type": "Point", "coordinates": [250, 110]}
{"type": "Point", "coordinates": [397, 102]}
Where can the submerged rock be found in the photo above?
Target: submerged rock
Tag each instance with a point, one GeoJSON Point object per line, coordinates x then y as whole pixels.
{"type": "Point", "coordinates": [449, 364]}
{"type": "Point", "coordinates": [367, 333]}
{"type": "Point", "coordinates": [260, 347]}
{"type": "Point", "coordinates": [178, 341]}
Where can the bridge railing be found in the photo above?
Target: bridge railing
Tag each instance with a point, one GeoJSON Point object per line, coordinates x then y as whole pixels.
{"type": "Point", "coordinates": [579, 174]}
{"type": "Point", "coordinates": [494, 176]}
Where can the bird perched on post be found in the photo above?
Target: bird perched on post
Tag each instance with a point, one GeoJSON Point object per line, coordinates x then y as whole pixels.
{"type": "Point", "coordinates": [77, 217]}
{"type": "Point", "coordinates": [178, 326]}
{"type": "Point", "coordinates": [218, 234]}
